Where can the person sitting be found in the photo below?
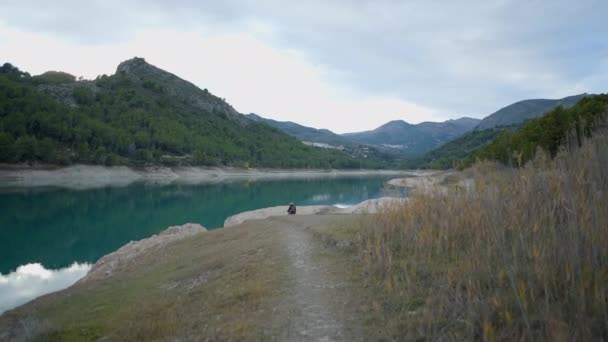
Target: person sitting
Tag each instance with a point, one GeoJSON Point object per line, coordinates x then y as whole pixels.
{"type": "Point", "coordinates": [292, 209]}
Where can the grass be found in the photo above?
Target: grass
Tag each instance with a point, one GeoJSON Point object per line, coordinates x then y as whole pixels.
{"type": "Point", "coordinates": [340, 235]}
{"type": "Point", "coordinates": [217, 284]}
{"type": "Point", "coordinates": [521, 255]}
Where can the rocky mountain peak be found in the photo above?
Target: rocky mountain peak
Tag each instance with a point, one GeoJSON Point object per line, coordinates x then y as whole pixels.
{"type": "Point", "coordinates": [132, 64]}
{"type": "Point", "coordinates": [140, 71]}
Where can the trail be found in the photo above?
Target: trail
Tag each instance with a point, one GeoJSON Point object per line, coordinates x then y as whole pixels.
{"type": "Point", "coordinates": [317, 304]}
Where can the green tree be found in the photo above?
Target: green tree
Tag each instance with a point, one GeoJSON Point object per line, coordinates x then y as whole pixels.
{"type": "Point", "coordinates": [83, 95]}
{"type": "Point", "coordinates": [6, 146]}
{"type": "Point", "coordinates": [26, 148]}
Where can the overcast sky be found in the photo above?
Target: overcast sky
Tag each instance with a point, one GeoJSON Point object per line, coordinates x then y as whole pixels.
{"type": "Point", "coordinates": [343, 65]}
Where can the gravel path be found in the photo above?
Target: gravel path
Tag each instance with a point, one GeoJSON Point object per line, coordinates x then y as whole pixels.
{"type": "Point", "coordinates": [316, 307]}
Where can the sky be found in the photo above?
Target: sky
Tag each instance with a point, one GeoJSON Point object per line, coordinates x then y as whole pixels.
{"type": "Point", "coordinates": [343, 65]}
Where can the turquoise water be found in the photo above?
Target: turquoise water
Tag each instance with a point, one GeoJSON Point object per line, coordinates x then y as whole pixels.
{"type": "Point", "coordinates": [57, 227]}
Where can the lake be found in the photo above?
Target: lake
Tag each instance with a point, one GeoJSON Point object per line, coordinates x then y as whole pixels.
{"type": "Point", "coordinates": [57, 227]}
{"type": "Point", "coordinates": [50, 237]}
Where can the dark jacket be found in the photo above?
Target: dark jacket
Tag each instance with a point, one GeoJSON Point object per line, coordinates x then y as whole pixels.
{"type": "Point", "coordinates": [291, 210]}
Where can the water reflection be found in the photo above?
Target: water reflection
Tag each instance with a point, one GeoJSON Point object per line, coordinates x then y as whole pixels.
{"type": "Point", "coordinates": [33, 280]}
{"type": "Point", "coordinates": [58, 227]}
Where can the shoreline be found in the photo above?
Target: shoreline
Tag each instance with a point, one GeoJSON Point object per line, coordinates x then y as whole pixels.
{"type": "Point", "coordinates": [369, 206]}
{"type": "Point", "coordinates": [81, 177]}
{"type": "Point", "coordinates": [438, 180]}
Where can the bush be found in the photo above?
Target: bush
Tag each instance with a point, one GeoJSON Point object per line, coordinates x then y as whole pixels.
{"type": "Point", "coordinates": [6, 146]}
{"type": "Point", "coordinates": [25, 148]}
{"type": "Point", "coordinates": [83, 95]}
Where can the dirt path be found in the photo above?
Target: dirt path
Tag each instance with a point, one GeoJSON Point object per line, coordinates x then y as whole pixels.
{"type": "Point", "coordinates": [317, 306]}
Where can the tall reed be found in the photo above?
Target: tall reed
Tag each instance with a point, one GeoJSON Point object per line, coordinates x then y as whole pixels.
{"type": "Point", "coordinates": [520, 254]}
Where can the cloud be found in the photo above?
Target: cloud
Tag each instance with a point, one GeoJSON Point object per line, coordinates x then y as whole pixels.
{"type": "Point", "coordinates": [453, 58]}
{"type": "Point", "coordinates": [253, 76]}
{"type": "Point", "coordinates": [33, 280]}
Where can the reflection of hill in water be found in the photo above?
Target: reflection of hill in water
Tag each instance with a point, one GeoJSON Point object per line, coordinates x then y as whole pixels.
{"type": "Point", "coordinates": [58, 227]}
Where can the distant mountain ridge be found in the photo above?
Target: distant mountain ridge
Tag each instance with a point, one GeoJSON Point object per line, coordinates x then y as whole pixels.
{"type": "Point", "coordinates": [415, 139]}
{"type": "Point", "coordinates": [518, 112]}
{"type": "Point", "coordinates": [398, 136]}
{"type": "Point", "coordinates": [508, 119]}
{"type": "Point", "coordinates": [303, 133]}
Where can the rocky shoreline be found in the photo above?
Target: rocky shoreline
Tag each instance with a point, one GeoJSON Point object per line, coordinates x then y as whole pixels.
{"type": "Point", "coordinates": [91, 176]}
{"type": "Point", "coordinates": [105, 266]}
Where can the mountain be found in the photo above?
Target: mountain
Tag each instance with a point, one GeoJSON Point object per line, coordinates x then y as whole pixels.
{"type": "Point", "coordinates": [327, 139]}
{"type": "Point", "coordinates": [465, 149]}
{"type": "Point", "coordinates": [304, 133]}
{"type": "Point", "coordinates": [523, 110]}
{"type": "Point", "coordinates": [141, 115]}
{"type": "Point", "coordinates": [565, 127]}
{"type": "Point", "coordinates": [450, 153]}
{"type": "Point", "coordinates": [412, 139]}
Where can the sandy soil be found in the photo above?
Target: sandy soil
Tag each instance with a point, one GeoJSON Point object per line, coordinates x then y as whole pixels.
{"type": "Point", "coordinates": [90, 176]}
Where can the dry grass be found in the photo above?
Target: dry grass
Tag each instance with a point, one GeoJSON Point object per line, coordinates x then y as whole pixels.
{"type": "Point", "coordinates": [219, 285]}
{"type": "Point", "coordinates": [522, 255]}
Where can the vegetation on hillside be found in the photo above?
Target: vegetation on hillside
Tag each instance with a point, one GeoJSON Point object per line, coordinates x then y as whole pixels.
{"type": "Point", "coordinates": [137, 119]}
{"type": "Point", "coordinates": [408, 141]}
{"type": "Point", "coordinates": [53, 77]}
{"type": "Point", "coordinates": [548, 132]}
{"type": "Point", "coordinates": [448, 155]}
{"type": "Point", "coordinates": [520, 255]}
{"type": "Point", "coordinates": [498, 142]}
{"type": "Point", "coordinates": [521, 111]}
{"type": "Point", "coordinates": [304, 133]}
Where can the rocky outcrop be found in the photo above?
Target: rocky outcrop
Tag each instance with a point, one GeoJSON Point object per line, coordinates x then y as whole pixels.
{"type": "Point", "coordinates": [64, 92]}
{"type": "Point", "coordinates": [127, 254]}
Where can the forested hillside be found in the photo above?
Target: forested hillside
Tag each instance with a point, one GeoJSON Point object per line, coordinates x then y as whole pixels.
{"type": "Point", "coordinates": [548, 132]}
{"type": "Point", "coordinates": [304, 133]}
{"type": "Point", "coordinates": [138, 116]}
{"type": "Point", "coordinates": [521, 111]}
{"type": "Point", "coordinates": [448, 155]}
